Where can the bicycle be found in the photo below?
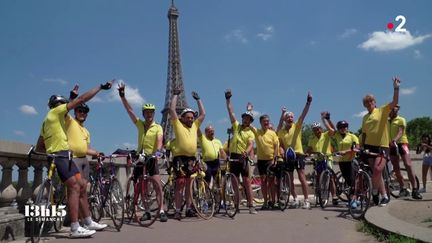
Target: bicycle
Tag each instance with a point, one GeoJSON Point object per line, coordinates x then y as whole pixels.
{"type": "Point", "coordinates": [106, 194]}
{"type": "Point", "coordinates": [169, 191]}
{"type": "Point", "coordinates": [200, 193]}
{"type": "Point", "coordinates": [49, 196]}
{"type": "Point", "coordinates": [362, 191]}
{"type": "Point", "coordinates": [283, 183]}
{"type": "Point", "coordinates": [226, 190]}
{"type": "Point", "coordinates": [143, 198]}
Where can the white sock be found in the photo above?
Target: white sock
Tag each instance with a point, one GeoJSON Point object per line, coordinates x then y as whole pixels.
{"type": "Point", "coordinates": [88, 220]}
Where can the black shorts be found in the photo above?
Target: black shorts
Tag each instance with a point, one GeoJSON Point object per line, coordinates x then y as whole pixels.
{"type": "Point", "coordinates": [65, 166]}
{"type": "Point", "coordinates": [212, 169]}
{"type": "Point", "coordinates": [151, 167]}
{"type": "Point", "coordinates": [183, 165]}
{"type": "Point", "coordinates": [240, 166]}
{"type": "Point", "coordinates": [297, 164]}
{"type": "Point", "coordinates": [376, 150]}
{"type": "Point", "coordinates": [402, 148]}
{"type": "Point", "coordinates": [262, 166]}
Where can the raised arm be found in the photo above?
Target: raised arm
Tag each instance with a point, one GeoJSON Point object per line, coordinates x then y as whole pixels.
{"type": "Point", "coordinates": [325, 117]}
{"type": "Point", "coordinates": [173, 104]}
{"type": "Point", "coordinates": [396, 84]}
{"type": "Point", "coordinates": [306, 108]}
{"type": "Point", "coordinates": [127, 106]}
{"type": "Point", "coordinates": [230, 108]}
{"type": "Point", "coordinates": [200, 104]}
{"type": "Point", "coordinates": [88, 95]}
{"type": "Point", "coordinates": [74, 92]}
{"type": "Point", "coordinates": [280, 124]}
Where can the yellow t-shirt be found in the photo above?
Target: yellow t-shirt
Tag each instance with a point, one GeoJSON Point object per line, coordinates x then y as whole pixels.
{"type": "Point", "coordinates": [240, 139]}
{"type": "Point", "coordinates": [210, 148]}
{"type": "Point", "coordinates": [186, 138]}
{"type": "Point", "coordinates": [53, 130]}
{"type": "Point", "coordinates": [78, 137]}
{"type": "Point", "coordinates": [345, 143]}
{"type": "Point", "coordinates": [292, 137]}
{"type": "Point", "coordinates": [395, 124]}
{"type": "Point", "coordinates": [265, 141]}
{"type": "Point", "coordinates": [375, 127]}
{"type": "Point", "coordinates": [147, 140]}
{"type": "Point", "coordinates": [321, 144]}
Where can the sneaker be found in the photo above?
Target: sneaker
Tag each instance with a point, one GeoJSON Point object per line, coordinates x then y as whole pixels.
{"type": "Point", "coordinates": [353, 204]}
{"type": "Point", "coordinates": [95, 226]}
{"type": "Point", "coordinates": [335, 202]}
{"type": "Point", "coordinates": [82, 233]}
{"type": "Point", "coordinates": [145, 217]}
{"type": "Point", "coordinates": [190, 213]}
{"type": "Point", "coordinates": [252, 210]}
{"type": "Point", "coordinates": [177, 216]}
{"type": "Point", "coordinates": [423, 190]}
{"type": "Point", "coordinates": [295, 203]}
{"type": "Point", "coordinates": [384, 202]}
{"type": "Point", "coordinates": [375, 199]}
{"type": "Point", "coordinates": [163, 217]}
{"type": "Point", "coordinates": [416, 194]}
{"type": "Point", "coordinates": [270, 205]}
{"type": "Point", "coordinates": [264, 207]}
{"type": "Point", "coordinates": [403, 192]}
{"type": "Point", "coordinates": [306, 205]}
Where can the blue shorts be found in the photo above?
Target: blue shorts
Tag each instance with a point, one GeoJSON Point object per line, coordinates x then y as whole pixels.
{"type": "Point", "coordinates": [65, 166]}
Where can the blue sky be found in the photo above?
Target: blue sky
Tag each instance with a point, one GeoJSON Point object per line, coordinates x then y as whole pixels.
{"type": "Point", "coordinates": [268, 52]}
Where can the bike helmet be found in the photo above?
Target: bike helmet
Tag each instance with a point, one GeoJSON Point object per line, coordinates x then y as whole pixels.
{"type": "Point", "coordinates": [149, 106]}
{"type": "Point", "coordinates": [316, 125]}
{"type": "Point", "coordinates": [83, 106]}
{"type": "Point", "coordinates": [248, 113]}
{"type": "Point", "coordinates": [186, 110]}
{"type": "Point", "coordinates": [342, 124]}
{"type": "Point", "coordinates": [55, 100]}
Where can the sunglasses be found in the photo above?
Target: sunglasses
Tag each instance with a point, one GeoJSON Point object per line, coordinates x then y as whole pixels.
{"type": "Point", "coordinates": [82, 111]}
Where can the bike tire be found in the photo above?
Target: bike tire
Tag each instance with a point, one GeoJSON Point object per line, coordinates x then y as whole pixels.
{"type": "Point", "coordinates": [38, 226]}
{"type": "Point", "coordinates": [95, 202]}
{"type": "Point", "coordinates": [387, 182]}
{"type": "Point", "coordinates": [169, 198]}
{"type": "Point", "coordinates": [202, 198]}
{"type": "Point", "coordinates": [342, 187]}
{"type": "Point", "coordinates": [284, 190]}
{"type": "Point", "coordinates": [116, 204]}
{"type": "Point", "coordinates": [129, 197]}
{"type": "Point", "coordinates": [231, 195]}
{"type": "Point", "coordinates": [61, 200]}
{"type": "Point", "coordinates": [147, 201]}
{"type": "Point", "coordinates": [363, 193]}
{"type": "Point", "coordinates": [324, 188]}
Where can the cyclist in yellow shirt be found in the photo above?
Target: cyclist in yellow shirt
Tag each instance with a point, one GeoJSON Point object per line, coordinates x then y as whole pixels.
{"type": "Point", "coordinates": [150, 136]}
{"type": "Point", "coordinates": [185, 130]}
{"type": "Point", "coordinates": [267, 152]}
{"type": "Point", "coordinates": [53, 140]}
{"type": "Point", "coordinates": [375, 138]}
{"type": "Point", "coordinates": [289, 133]}
{"type": "Point", "coordinates": [399, 143]}
{"type": "Point", "coordinates": [212, 150]}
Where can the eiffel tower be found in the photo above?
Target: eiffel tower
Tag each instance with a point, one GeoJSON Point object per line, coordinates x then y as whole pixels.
{"type": "Point", "coordinates": [174, 75]}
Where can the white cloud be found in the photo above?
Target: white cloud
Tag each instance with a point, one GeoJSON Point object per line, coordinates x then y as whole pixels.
{"type": "Point", "coordinates": [28, 110]}
{"type": "Point", "coordinates": [19, 133]}
{"type": "Point", "coordinates": [55, 80]}
{"type": "Point", "coordinates": [236, 35]}
{"type": "Point", "coordinates": [408, 91]}
{"type": "Point", "coordinates": [132, 95]}
{"type": "Point", "coordinates": [360, 114]}
{"type": "Point", "coordinates": [417, 54]}
{"type": "Point", "coordinates": [392, 41]}
{"type": "Point", "coordinates": [222, 121]}
{"type": "Point", "coordinates": [267, 33]}
{"type": "Point", "coordinates": [348, 33]}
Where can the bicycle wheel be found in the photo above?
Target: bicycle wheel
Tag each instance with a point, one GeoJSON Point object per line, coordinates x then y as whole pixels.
{"type": "Point", "coordinates": [148, 202]}
{"type": "Point", "coordinates": [38, 225]}
{"type": "Point", "coordinates": [394, 184]}
{"type": "Point", "coordinates": [284, 190]}
{"type": "Point", "coordinates": [324, 188]}
{"type": "Point", "coordinates": [231, 195]}
{"type": "Point", "coordinates": [362, 193]}
{"type": "Point", "coordinates": [128, 202]}
{"type": "Point", "coordinates": [342, 187]}
{"type": "Point", "coordinates": [169, 201]}
{"type": "Point", "coordinates": [116, 204]}
{"type": "Point", "coordinates": [95, 203]}
{"type": "Point", "coordinates": [61, 200]}
{"type": "Point", "coordinates": [257, 196]}
{"type": "Point", "coordinates": [387, 182]}
{"type": "Point", "coordinates": [202, 198]}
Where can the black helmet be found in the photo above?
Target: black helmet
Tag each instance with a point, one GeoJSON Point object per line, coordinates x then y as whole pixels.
{"type": "Point", "coordinates": [55, 100]}
{"type": "Point", "coordinates": [83, 106]}
{"type": "Point", "coordinates": [250, 114]}
{"type": "Point", "coordinates": [342, 124]}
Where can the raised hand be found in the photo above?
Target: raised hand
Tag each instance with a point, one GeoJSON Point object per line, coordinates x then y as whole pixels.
{"type": "Point", "coordinates": [228, 94]}
{"type": "Point", "coordinates": [396, 82]}
{"type": "Point", "coordinates": [309, 97]}
{"type": "Point", "coordinates": [325, 115]}
{"type": "Point", "coordinates": [107, 85]}
{"type": "Point", "coordinates": [249, 106]}
{"type": "Point", "coordinates": [283, 109]}
{"type": "Point", "coordinates": [195, 95]}
{"type": "Point", "coordinates": [74, 92]}
{"type": "Point", "coordinates": [121, 89]}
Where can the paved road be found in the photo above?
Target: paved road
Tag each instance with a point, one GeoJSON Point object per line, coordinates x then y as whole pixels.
{"type": "Point", "coordinates": [316, 225]}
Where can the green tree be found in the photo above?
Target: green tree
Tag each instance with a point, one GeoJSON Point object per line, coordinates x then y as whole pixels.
{"type": "Point", "coordinates": [306, 134]}
{"type": "Point", "coordinates": [416, 128]}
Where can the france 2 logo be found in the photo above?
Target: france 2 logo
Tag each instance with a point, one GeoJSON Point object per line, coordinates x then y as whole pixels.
{"type": "Point", "coordinates": [400, 27]}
